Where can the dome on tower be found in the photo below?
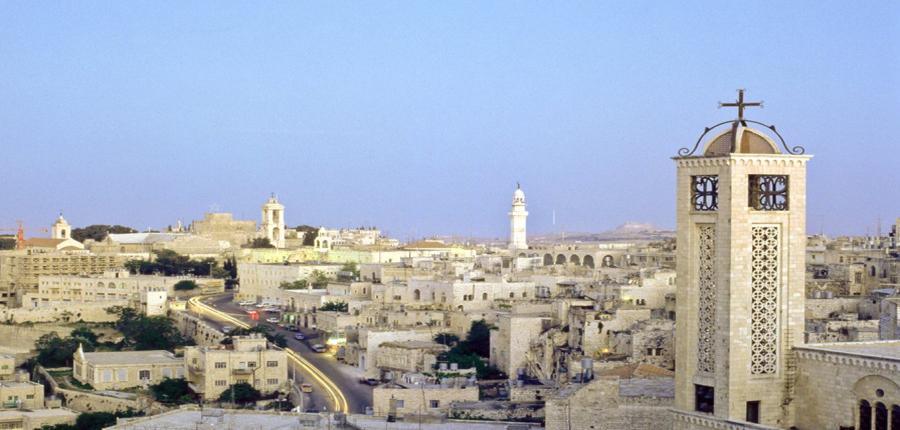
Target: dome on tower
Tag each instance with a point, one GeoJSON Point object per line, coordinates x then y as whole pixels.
{"type": "Point", "coordinates": [518, 195]}
{"type": "Point", "coordinates": [740, 140]}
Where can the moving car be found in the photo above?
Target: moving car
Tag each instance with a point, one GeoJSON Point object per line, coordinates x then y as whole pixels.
{"type": "Point", "coordinates": [272, 320]}
{"type": "Point", "coordinates": [318, 347]}
{"type": "Point", "coordinates": [247, 303]}
{"type": "Point", "coordinates": [306, 388]}
{"type": "Point", "coordinates": [299, 336]}
{"type": "Point", "coordinates": [227, 329]}
{"type": "Point", "coordinates": [369, 381]}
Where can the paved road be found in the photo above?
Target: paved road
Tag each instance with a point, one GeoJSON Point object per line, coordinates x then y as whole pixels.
{"type": "Point", "coordinates": [358, 395]}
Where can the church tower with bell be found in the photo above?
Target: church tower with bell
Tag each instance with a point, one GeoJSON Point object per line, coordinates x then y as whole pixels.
{"type": "Point", "coordinates": [61, 229]}
{"type": "Point", "coordinates": [273, 222]}
{"type": "Point", "coordinates": [741, 232]}
{"type": "Point", "coordinates": [517, 218]}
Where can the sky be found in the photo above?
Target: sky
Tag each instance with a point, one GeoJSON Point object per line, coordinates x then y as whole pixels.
{"type": "Point", "coordinates": [420, 117]}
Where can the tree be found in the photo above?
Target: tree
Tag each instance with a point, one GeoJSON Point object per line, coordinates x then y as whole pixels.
{"type": "Point", "coordinates": [472, 351]}
{"type": "Point", "coordinates": [334, 307]}
{"type": "Point", "coordinates": [300, 284]}
{"type": "Point", "coordinates": [173, 391]}
{"type": "Point", "coordinates": [240, 393]}
{"type": "Point", "coordinates": [478, 340]}
{"type": "Point", "coordinates": [7, 243]}
{"type": "Point", "coordinates": [142, 333]}
{"type": "Point", "coordinates": [54, 351]}
{"type": "Point", "coordinates": [350, 270]}
{"type": "Point", "coordinates": [185, 285]}
{"type": "Point", "coordinates": [448, 339]}
{"type": "Point", "coordinates": [171, 263]}
{"type": "Point", "coordinates": [319, 279]}
{"type": "Point", "coordinates": [260, 242]}
{"type": "Point", "coordinates": [98, 231]}
{"type": "Point", "coordinates": [311, 233]}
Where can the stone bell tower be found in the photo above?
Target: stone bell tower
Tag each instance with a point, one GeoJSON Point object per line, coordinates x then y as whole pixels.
{"type": "Point", "coordinates": [61, 229]}
{"type": "Point", "coordinates": [741, 232]}
{"type": "Point", "coordinates": [273, 222]}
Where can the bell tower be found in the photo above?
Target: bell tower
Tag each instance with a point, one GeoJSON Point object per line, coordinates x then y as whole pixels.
{"type": "Point", "coordinates": [741, 232]}
{"type": "Point", "coordinates": [61, 229]}
{"type": "Point", "coordinates": [273, 221]}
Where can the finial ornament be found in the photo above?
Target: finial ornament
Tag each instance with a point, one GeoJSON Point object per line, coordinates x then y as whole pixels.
{"type": "Point", "coordinates": [740, 104]}
{"type": "Point", "coordinates": [517, 186]}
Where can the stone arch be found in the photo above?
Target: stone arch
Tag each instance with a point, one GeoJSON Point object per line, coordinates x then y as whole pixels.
{"type": "Point", "coordinates": [866, 387]}
{"type": "Point", "coordinates": [276, 233]}
{"type": "Point", "coordinates": [417, 295]}
{"type": "Point", "coordinates": [548, 260]}
{"type": "Point", "coordinates": [560, 259]}
{"type": "Point", "coordinates": [588, 261]}
{"type": "Point", "coordinates": [608, 261]}
{"type": "Point", "coordinates": [864, 416]}
{"type": "Point", "coordinates": [881, 416]}
{"type": "Point", "coordinates": [575, 260]}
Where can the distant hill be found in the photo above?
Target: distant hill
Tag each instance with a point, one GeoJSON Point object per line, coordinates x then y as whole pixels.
{"type": "Point", "coordinates": [628, 231]}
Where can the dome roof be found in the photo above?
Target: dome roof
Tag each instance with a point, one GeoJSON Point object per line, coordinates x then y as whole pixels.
{"type": "Point", "coordinates": [740, 140]}
{"type": "Point", "coordinates": [518, 195]}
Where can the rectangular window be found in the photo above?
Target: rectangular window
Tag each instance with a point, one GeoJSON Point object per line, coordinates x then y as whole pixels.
{"type": "Point", "coordinates": [705, 193]}
{"type": "Point", "coordinates": [272, 381]}
{"type": "Point", "coordinates": [221, 382]}
{"type": "Point", "coordinates": [753, 411]}
{"type": "Point", "coordinates": [251, 364]}
{"type": "Point", "coordinates": [768, 192]}
{"type": "Point", "coordinates": [144, 375]}
{"type": "Point", "coordinates": [704, 399]}
{"type": "Point", "coordinates": [398, 403]}
{"type": "Point", "coordinates": [271, 364]}
{"type": "Point", "coordinates": [221, 365]}
{"type": "Point", "coordinates": [434, 403]}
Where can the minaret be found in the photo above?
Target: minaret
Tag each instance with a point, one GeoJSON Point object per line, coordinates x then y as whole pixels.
{"type": "Point", "coordinates": [741, 232]}
{"type": "Point", "coordinates": [273, 221]}
{"type": "Point", "coordinates": [61, 229]}
{"type": "Point", "coordinates": [517, 217]}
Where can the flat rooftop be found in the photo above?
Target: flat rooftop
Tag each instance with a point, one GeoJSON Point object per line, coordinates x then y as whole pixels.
{"type": "Point", "coordinates": [132, 357]}
{"type": "Point", "coordinates": [886, 350]}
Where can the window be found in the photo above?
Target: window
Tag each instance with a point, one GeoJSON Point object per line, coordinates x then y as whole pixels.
{"type": "Point", "coordinates": [398, 403]}
{"type": "Point", "coordinates": [434, 403]}
{"type": "Point", "coordinates": [144, 375]}
{"type": "Point", "coordinates": [221, 365]}
{"type": "Point", "coordinates": [251, 364]}
{"type": "Point", "coordinates": [272, 381]}
{"type": "Point", "coordinates": [768, 192]}
{"type": "Point", "coordinates": [753, 411]}
{"type": "Point", "coordinates": [221, 382]}
{"type": "Point", "coordinates": [271, 364]}
{"type": "Point", "coordinates": [704, 398]}
{"type": "Point", "coordinates": [705, 192]}
{"type": "Point", "coordinates": [29, 396]}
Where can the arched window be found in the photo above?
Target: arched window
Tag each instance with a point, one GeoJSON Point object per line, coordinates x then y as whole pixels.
{"type": "Point", "coordinates": [548, 260]}
{"type": "Point", "coordinates": [483, 296]}
{"type": "Point", "coordinates": [865, 415]}
{"type": "Point", "coordinates": [417, 295]}
{"type": "Point", "coordinates": [881, 416]}
{"type": "Point", "coordinates": [512, 295]}
{"type": "Point", "coordinates": [895, 417]}
{"type": "Point", "coordinates": [872, 271]}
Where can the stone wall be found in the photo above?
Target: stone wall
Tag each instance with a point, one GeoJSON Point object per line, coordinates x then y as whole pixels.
{"type": "Point", "coordinates": [824, 308]}
{"type": "Point", "coordinates": [202, 332]}
{"type": "Point", "coordinates": [623, 404]}
{"type": "Point", "coordinates": [496, 410]}
{"type": "Point", "coordinates": [70, 312]}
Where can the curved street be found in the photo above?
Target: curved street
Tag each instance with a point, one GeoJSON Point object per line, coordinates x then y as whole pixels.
{"type": "Point", "coordinates": [335, 385]}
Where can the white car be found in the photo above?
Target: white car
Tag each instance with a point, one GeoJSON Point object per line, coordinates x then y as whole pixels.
{"type": "Point", "coordinates": [272, 320]}
{"type": "Point", "coordinates": [247, 303]}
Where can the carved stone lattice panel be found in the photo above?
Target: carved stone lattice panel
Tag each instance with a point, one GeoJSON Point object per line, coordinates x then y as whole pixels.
{"type": "Point", "coordinates": [768, 192]}
{"type": "Point", "coordinates": [764, 286]}
{"type": "Point", "coordinates": [705, 192]}
{"type": "Point", "coordinates": [706, 279]}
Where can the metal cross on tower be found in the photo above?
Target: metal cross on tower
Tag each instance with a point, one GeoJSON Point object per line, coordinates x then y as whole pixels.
{"type": "Point", "coordinates": [741, 104]}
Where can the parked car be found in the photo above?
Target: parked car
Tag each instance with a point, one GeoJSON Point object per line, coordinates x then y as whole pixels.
{"type": "Point", "coordinates": [369, 381]}
{"type": "Point", "coordinates": [272, 320]}
{"type": "Point", "coordinates": [318, 347]}
{"type": "Point", "coordinates": [306, 388]}
{"type": "Point", "coordinates": [227, 329]}
{"type": "Point", "coordinates": [299, 336]}
{"type": "Point", "coordinates": [246, 303]}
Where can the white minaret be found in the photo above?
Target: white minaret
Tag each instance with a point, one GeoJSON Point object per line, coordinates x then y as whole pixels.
{"type": "Point", "coordinates": [61, 229]}
{"type": "Point", "coordinates": [517, 217]}
{"type": "Point", "coordinates": [273, 221]}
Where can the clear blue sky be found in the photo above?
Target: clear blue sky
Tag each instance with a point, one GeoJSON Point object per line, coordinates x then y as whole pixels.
{"type": "Point", "coordinates": [419, 117]}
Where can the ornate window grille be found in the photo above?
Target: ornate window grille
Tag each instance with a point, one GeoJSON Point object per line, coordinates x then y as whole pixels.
{"type": "Point", "coordinates": [705, 192]}
{"type": "Point", "coordinates": [764, 285]}
{"type": "Point", "coordinates": [706, 279]}
{"type": "Point", "coordinates": [769, 192]}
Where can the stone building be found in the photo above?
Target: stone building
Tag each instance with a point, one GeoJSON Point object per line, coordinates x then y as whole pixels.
{"type": "Point", "coordinates": [61, 229]}
{"type": "Point", "coordinates": [272, 225]}
{"type": "Point", "coordinates": [223, 227]}
{"type": "Point", "coordinates": [410, 356]}
{"type": "Point", "coordinates": [262, 281]}
{"type": "Point", "coordinates": [21, 395]}
{"type": "Point", "coordinates": [20, 270]}
{"type": "Point", "coordinates": [636, 396]}
{"type": "Point", "coordinates": [434, 399]}
{"type": "Point", "coordinates": [125, 369]}
{"type": "Point", "coordinates": [512, 340]}
{"type": "Point", "coordinates": [250, 359]}
{"type": "Point", "coordinates": [147, 293]}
